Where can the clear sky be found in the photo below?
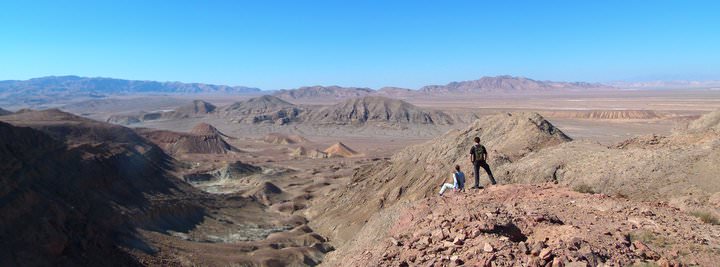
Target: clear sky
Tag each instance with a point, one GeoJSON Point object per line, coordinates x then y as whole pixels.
{"type": "Point", "coordinates": [287, 44]}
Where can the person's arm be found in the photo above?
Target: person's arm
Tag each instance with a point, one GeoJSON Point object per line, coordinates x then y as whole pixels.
{"type": "Point", "coordinates": [472, 154]}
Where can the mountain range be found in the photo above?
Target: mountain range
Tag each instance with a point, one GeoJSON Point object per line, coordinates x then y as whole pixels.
{"type": "Point", "coordinates": [509, 84]}
{"type": "Point", "coordinates": [51, 90]}
{"type": "Point", "coordinates": [495, 85]}
{"type": "Point", "coordinates": [99, 86]}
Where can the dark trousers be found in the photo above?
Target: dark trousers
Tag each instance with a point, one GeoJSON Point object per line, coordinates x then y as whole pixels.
{"type": "Point", "coordinates": [476, 169]}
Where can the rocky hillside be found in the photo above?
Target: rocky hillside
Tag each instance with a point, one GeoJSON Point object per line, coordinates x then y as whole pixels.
{"type": "Point", "coordinates": [73, 129]}
{"type": "Point", "coordinates": [203, 139]}
{"type": "Point", "coordinates": [197, 107]}
{"type": "Point", "coordinates": [681, 168]}
{"type": "Point", "coordinates": [659, 184]}
{"type": "Point", "coordinates": [77, 192]}
{"type": "Point", "coordinates": [331, 92]}
{"type": "Point", "coordinates": [507, 84]}
{"type": "Point", "coordinates": [375, 109]}
{"type": "Point", "coordinates": [710, 121]}
{"type": "Point", "coordinates": [264, 109]}
{"type": "Point", "coordinates": [531, 225]}
{"type": "Point", "coordinates": [4, 112]}
{"type": "Point", "coordinates": [417, 171]}
{"type": "Point", "coordinates": [80, 205]}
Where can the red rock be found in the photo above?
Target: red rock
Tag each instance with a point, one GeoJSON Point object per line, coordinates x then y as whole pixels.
{"type": "Point", "coordinates": [545, 253]}
{"type": "Point", "coordinates": [488, 248]}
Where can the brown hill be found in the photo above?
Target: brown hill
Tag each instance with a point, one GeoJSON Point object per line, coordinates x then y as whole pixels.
{"type": "Point", "coordinates": [80, 205]}
{"type": "Point", "coordinates": [283, 139]}
{"type": "Point", "coordinates": [264, 109]}
{"type": "Point", "coordinates": [508, 84]}
{"type": "Point", "coordinates": [207, 129]}
{"type": "Point", "coordinates": [332, 92]}
{"type": "Point", "coordinates": [375, 109]}
{"type": "Point", "coordinates": [71, 128]}
{"type": "Point", "coordinates": [340, 150]}
{"type": "Point", "coordinates": [204, 139]}
{"type": "Point", "coordinates": [197, 107]}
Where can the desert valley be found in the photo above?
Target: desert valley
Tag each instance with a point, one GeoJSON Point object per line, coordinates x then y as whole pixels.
{"type": "Point", "coordinates": [120, 172]}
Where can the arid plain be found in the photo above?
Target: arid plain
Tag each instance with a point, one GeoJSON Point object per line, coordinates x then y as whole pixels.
{"type": "Point", "coordinates": [343, 176]}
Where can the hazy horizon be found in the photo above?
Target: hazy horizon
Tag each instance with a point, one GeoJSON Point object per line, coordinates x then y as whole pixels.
{"type": "Point", "coordinates": [409, 44]}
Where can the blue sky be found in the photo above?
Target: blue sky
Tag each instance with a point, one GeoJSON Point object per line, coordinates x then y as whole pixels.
{"type": "Point", "coordinates": [286, 44]}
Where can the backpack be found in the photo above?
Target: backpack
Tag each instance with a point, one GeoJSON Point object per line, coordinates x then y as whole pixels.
{"type": "Point", "coordinates": [479, 151]}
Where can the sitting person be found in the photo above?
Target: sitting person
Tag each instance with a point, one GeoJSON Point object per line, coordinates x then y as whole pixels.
{"type": "Point", "coordinates": [458, 182]}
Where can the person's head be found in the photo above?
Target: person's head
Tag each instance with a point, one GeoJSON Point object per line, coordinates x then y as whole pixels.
{"type": "Point", "coordinates": [476, 139]}
{"type": "Point", "coordinates": [457, 167]}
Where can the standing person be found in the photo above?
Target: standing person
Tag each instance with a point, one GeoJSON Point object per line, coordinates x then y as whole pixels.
{"type": "Point", "coordinates": [478, 157]}
{"type": "Point", "coordinates": [458, 181]}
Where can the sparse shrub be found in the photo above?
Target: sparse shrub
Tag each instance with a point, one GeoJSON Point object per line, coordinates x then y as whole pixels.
{"type": "Point", "coordinates": [706, 217]}
{"type": "Point", "coordinates": [583, 188]}
{"type": "Point", "coordinates": [649, 238]}
{"type": "Point", "coordinates": [621, 195]}
{"type": "Point", "coordinates": [646, 237]}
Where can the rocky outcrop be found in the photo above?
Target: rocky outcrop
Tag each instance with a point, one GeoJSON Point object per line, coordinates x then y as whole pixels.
{"type": "Point", "coordinates": [203, 139]}
{"type": "Point", "coordinates": [340, 150]}
{"type": "Point", "coordinates": [710, 121]}
{"type": "Point", "coordinates": [264, 109]}
{"type": "Point", "coordinates": [530, 225]}
{"type": "Point", "coordinates": [375, 109]}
